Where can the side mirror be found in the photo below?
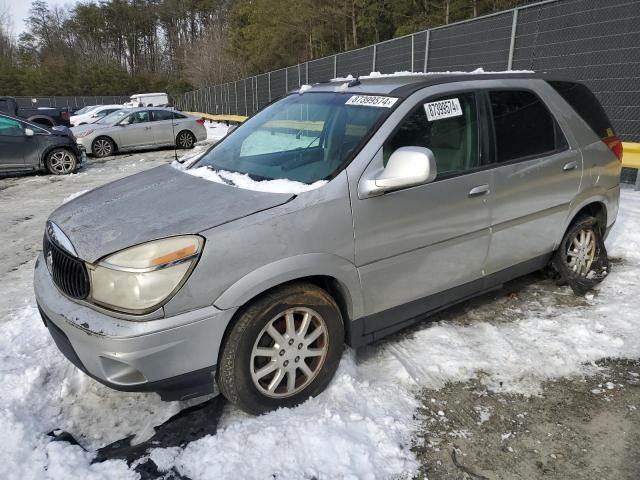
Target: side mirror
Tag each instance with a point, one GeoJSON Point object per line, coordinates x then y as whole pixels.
{"type": "Point", "coordinates": [28, 132]}
{"type": "Point", "coordinates": [407, 167]}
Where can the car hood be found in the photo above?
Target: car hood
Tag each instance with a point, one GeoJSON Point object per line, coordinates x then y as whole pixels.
{"type": "Point", "coordinates": [88, 126]}
{"type": "Point", "coordinates": [158, 203]}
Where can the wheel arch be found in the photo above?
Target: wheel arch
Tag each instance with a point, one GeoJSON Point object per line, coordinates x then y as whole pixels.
{"type": "Point", "coordinates": [39, 119]}
{"type": "Point", "coordinates": [51, 148]}
{"type": "Point", "coordinates": [593, 208]}
{"type": "Point", "coordinates": [334, 274]}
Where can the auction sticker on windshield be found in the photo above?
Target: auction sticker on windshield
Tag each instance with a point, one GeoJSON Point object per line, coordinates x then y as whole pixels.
{"type": "Point", "coordinates": [372, 101]}
{"type": "Point", "coordinates": [443, 109]}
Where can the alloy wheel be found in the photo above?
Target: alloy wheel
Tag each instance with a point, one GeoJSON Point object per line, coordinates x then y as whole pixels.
{"type": "Point", "coordinates": [102, 147]}
{"type": "Point", "coordinates": [185, 140]}
{"type": "Point", "coordinates": [61, 162]}
{"type": "Point", "coordinates": [582, 252]}
{"type": "Point", "coordinates": [289, 352]}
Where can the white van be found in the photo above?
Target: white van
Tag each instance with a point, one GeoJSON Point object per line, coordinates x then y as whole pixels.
{"type": "Point", "coordinates": [148, 100]}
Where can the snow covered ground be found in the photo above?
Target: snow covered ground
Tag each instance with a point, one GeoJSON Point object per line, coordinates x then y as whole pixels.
{"type": "Point", "coordinates": [362, 427]}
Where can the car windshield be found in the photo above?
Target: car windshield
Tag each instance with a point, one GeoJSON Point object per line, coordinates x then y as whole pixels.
{"type": "Point", "coordinates": [86, 109]}
{"type": "Point", "coordinates": [302, 137]}
{"type": "Point", "coordinates": [113, 117]}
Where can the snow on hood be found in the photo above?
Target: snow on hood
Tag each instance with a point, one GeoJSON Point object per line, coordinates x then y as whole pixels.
{"type": "Point", "coordinates": [157, 203]}
{"type": "Point", "coordinates": [240, 180]}
{"type": "Point", "coordinates": [423, 74]}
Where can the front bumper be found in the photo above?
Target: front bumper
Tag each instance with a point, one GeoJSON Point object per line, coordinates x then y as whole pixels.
{"type": "Point", "coordinates": [174, 356]}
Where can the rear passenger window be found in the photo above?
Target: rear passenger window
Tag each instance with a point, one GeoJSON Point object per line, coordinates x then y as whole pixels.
{"type": "Point", "coordinates": [160, 115]}
{"type": "Point", "coordinates": [447, 126]}
{"type": "Point", "coordinates": [523, 126]}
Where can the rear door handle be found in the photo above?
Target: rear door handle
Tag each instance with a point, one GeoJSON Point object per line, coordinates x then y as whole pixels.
{"type": "Point", "coordinates": [570, 166]}
{"type": "Point", "coordinates": [479, 190]}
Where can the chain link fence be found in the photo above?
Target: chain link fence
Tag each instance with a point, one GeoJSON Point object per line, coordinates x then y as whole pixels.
{"type": "Point", "coordinates": [595, 41]}
{"type": "Point", "coordinates": [70, 102]}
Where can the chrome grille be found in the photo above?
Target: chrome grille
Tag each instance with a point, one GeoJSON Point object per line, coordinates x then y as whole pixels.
{"type": "Point", "coordinates": [68, 272]}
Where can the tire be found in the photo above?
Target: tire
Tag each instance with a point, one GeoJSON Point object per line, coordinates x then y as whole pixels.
{"type": "Point", "coordinates": [255, 371]}
{"type": "Point", "coordinates": [103, 147]}
{"type": "Point", "coordinates": [61, 161]}
{"type": "Point", "coordinates": [185, 139]}
{"type": "Point", "coordinates": [581, 259]}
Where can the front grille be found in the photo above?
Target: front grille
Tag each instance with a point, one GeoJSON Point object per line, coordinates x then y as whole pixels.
{"type": "Point", "coordinates": [68, 272]}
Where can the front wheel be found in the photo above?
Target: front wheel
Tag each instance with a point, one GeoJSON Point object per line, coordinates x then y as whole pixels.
{"type": "Point", "coordinates": [61, 161]}
{"type": "Point", "coordinates": [581, 260]}
{"type": "Point", "coordinates": [102, 147]}
{"type": "Point", "coordinates": [284, 348]}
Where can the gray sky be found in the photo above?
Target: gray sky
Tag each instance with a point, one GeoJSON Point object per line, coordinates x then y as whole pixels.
{"type": "Point", "coordinates": [19, 10]}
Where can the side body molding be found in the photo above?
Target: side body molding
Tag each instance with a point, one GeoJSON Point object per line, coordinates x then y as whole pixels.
{"type": "Point", "coordinates": [292, 268]}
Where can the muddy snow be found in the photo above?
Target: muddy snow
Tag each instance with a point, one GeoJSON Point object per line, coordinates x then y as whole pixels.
{"type": "Point", "coordinates": [391, 410]}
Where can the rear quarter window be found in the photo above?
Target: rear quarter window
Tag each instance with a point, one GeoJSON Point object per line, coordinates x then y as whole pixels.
{"type": "Point", "coordinates": [585, 103]}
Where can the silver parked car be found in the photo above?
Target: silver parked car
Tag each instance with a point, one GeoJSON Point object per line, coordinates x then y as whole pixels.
{"type": "Point", "coordinates": [140, 128]}
{"type": "Point", "coordinates": [395, 197]}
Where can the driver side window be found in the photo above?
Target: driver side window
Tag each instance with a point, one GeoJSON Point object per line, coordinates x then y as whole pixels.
{"type": "Point", "coordinates": [11, 128]}
{"type": "Point", "coordinates": [448, 126]}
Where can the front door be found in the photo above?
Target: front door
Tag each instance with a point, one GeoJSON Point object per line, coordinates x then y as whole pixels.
{"type": "Point", "coordinates": [136, 130]}
{"type": "Point", "coordinates": [416, 248]}
{"type": "Point", "coordinates": [15, 146]}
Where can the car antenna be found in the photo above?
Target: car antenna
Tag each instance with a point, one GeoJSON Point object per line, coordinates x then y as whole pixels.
{"type": "Point", "coordinates": [355, 82]}
{"type": "Point", "coordinates": [175, 140]}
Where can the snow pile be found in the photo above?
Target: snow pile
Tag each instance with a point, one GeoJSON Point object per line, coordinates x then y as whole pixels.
{"type": "Point", "coordinates": [406, 73]}
{"type": "Point", "coordinates": [279, 185]}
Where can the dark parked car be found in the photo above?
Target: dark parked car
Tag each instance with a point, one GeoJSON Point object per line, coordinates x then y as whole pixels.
{"type": "Point", "coordinates": [47, 116]}
{"type": "Point", "coordinates": [27, 147]}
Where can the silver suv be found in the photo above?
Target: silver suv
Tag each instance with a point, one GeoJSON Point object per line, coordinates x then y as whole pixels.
{"type": "Point", "coordinates": [337, 215]}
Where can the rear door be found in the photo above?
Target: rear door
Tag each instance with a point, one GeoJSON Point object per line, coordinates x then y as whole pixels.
{"type": "Point", "coordinates": [414, 246]}
{"type": "Point", "coordinates": [163, 126]}
{"type": "Point", "coordinates": [15, 146]}
{"type": "Point", "coordinates": [537, 175]}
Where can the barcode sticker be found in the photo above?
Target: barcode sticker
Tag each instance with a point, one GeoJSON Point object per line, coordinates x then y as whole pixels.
{"type": "Point", "coordinates": [372, 101]}
{"type": "Point", "coordinates": [443, 109]}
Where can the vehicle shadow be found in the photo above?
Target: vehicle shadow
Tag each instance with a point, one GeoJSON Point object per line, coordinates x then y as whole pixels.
{"type": "Point", "coordinates": [186, 426]}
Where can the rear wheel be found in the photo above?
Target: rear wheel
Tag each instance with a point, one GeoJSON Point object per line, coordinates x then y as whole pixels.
{"type": "Point", "coordinates": [581, 260]}
{"type": "Point", "coordinates": [284, 348]}
{"type": "Point", "coordinates": [185, 139]}
{"type": "Point", "coordinates": [102, 147]}
{"type": "Point", "coordinates": [61, 161]}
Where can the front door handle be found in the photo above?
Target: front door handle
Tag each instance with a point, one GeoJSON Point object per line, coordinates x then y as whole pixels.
{"type": "Point", "coordinates": [570, 166]}
{"type": "Point", "coordinates": [479, 190]}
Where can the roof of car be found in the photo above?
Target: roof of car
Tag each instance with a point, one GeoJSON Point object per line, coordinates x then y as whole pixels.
{"type": "Point", "coordinates": [403, 84]}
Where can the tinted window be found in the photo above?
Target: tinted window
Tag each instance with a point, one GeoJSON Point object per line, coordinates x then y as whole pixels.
{"type": "Point", "coordinates": [136, 117]}
{"type": "Point", "coordinates": [586, 105]}
{"type": "Point", "coordinates": [451, 134]}
{"type": "Point", "coordinates": [159, 115]}
{"type": "Point", "coordinates": [10, 127]}
{"type": "Point", "coordinates": [523, 126]}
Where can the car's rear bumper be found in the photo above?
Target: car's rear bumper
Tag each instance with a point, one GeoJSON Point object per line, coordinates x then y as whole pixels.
{"type": "Point", "coordinates": [174, 356]}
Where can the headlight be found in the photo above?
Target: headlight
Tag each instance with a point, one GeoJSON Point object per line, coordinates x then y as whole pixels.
{"type": "Point", "coordinates": [84, 133]}
{"type": "Point", "coordinates": [139, 279]}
